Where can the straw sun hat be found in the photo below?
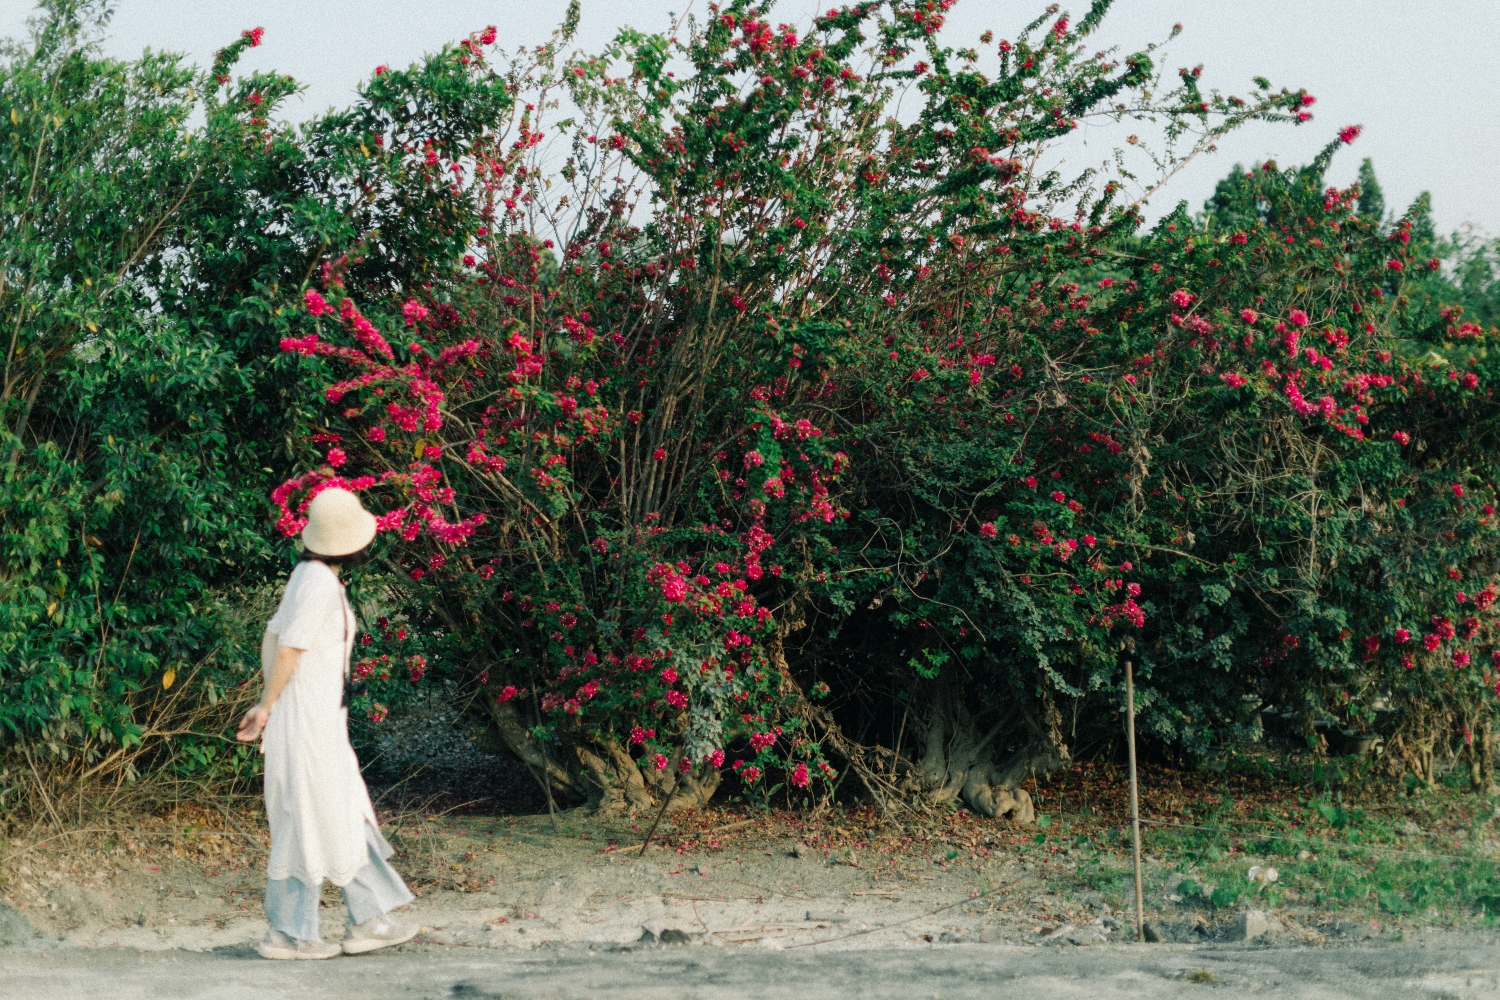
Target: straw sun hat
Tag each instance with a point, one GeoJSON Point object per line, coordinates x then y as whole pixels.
{"type": "Point", "coordinates": [337, 525]}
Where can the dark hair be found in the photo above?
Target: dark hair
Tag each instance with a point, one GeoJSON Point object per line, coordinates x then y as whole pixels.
{"type": "Point", "coordinates": [357, 558]}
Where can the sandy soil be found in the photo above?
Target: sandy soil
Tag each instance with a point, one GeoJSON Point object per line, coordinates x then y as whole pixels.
{"type": "Point", "coordinates": [194, 879]}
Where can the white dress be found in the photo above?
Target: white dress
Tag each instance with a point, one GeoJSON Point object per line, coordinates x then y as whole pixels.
{"type": "Point", "coordinates": [316, 799]}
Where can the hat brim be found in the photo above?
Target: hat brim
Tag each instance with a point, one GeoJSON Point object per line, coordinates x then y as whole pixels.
{"type": "Point", "coordinates": [344, 542]}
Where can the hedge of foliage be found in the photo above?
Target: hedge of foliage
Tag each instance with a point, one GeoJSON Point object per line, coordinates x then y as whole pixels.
{"type": "Point", "coordinates": [756, 402]}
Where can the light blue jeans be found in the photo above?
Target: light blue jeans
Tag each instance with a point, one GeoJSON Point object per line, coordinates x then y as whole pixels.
{"type": "Point", "coordinates": [292, 905]}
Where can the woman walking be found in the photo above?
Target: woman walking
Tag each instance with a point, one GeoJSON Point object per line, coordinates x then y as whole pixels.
{"type": "Point", "coordinates": [322, 822]}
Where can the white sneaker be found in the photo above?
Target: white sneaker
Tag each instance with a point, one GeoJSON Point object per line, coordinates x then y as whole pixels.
{"type": "Point", "coordinates": [283, 946]}
{"type": "Point", "coordinates": [381, 932]}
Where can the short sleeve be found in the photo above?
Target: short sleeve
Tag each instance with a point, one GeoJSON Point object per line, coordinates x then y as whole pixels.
{"type": "Point", "coordinates": [310, 606]}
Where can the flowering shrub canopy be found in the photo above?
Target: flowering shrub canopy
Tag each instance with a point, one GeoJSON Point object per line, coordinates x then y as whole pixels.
{"type": "Point", "coordinates": [778, 392]}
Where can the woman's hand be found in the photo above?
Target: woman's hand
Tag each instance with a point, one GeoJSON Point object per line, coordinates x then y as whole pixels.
{"type": "Point", "coordinates": [253, 724]}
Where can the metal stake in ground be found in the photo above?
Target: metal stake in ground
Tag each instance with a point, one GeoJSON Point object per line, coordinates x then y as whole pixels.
{"type": "Point", "coordinates": [1135, 806]}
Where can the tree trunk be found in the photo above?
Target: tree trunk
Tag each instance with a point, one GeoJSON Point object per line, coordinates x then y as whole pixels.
{"type": "Point", "coordinates": [600, 774]}
{"type": "Point", "coordinates": [958, 762]}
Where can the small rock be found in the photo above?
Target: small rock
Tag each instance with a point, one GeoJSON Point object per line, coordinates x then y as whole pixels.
{"type": "Point", "coordinates": [1173, 932]}
{"type": "Point", "coordinates": [948, 937]}
{"type": "Point", "coordinates": [804, 853]}
{"type": "Point", "coordinates": [1409, 829]}
{"type": "Point", "coordinates": [14, 928]}
{"type": "Point", "coordinates": [991, 933]}
{"type": "Point", "coordinates": [673, 936]}
{"type": "Point", "coordinates": [1086, 936]}
{"type": "Point", "coordinates": [1306, 855]}
{"type": "Point", "coordinates": [826, 918]}
{"type": "Point", "coordinates": [1174, 897]}
{"type": "Point", "coordinates": [1254, 924]}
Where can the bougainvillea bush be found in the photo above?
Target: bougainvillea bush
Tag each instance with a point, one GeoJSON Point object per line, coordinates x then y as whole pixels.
{"type": "Point", "coordinates": [759, 405]}
{"type": "Point", "coordinates": [761, 394]}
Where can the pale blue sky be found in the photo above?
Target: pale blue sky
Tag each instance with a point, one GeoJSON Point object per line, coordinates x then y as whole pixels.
{"type": "Point", "coordinates": [1422, 78]}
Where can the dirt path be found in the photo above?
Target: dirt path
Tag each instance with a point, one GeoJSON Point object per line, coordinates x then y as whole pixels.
{"type": "Point", "coordinates": [721, 905]}
{"type": "Point", "coordinates": [520, 883]}
{"type": "Point", "coordinates": [1457, 967]}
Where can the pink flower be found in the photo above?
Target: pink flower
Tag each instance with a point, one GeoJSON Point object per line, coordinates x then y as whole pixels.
{"type": "Point", "coordinates": [773, 487]}
{"type": "Point", "coordinates": [316, 304]}
{"type": "Point", "coordinates": [637, 735]}
{"type": "Point", "coordinates": [1431, 642]}
{"type": "Point", "coordinates": [674, 588]}
{"type": "Point", "coordinates": [1458, 489]}
{"type": "Point", "coordinates": [1233, 379]}
{"type": "Point", "coordinates": [254, 35]}
{"type": "Point", "coordinates": [659, 454]}
{"type": "Point", "coordinates": [414, 312]}
{"type": "Point", "coordinates": [376, 434]}
{"type": "Point", "coordinates": [1349, 133]}
{"type": "Point", "coordinates": [506, 694]}
{"type": "Point", "coordinates": [1402, 438]}
{"type": "Point", "coordinates": [1298, 317]}
{"type": "Point", "coordinates": [669, 676]}
{"type": "Point", "coordinates": [660, 762]}
{"type": "Point", "coordinates": [1372, 644]}
{"type": "Point", "coordinates": [1182, 298]}
{"type": "Point", "coordinates": [1249, 315]}
{"type": "Point", "coordinates": [677, 699]}
{"type": "Point", "coordinates": [1460, 657]}
{"type": "Point", "coordinates": [336, 457]}
{"type": "Point", "coordinates": [1089, 540]}
{"type": "Point", "coordinates": [1402, 635]}
{"type": "Point", "coordinates": [799, 776]}
{"type": "Point", "coordinates": [987, 529]}
{"type": "Point", "coordinates": [716, 758]}
{"type": "Point", "coordinates": [1395, 265]}
{"type": "Point", "coordinates": [1031, 481]}
{"type": "Point", "coordinates": [1461, 597]}
{"type": "Point", "coordinates": [750, 775]}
